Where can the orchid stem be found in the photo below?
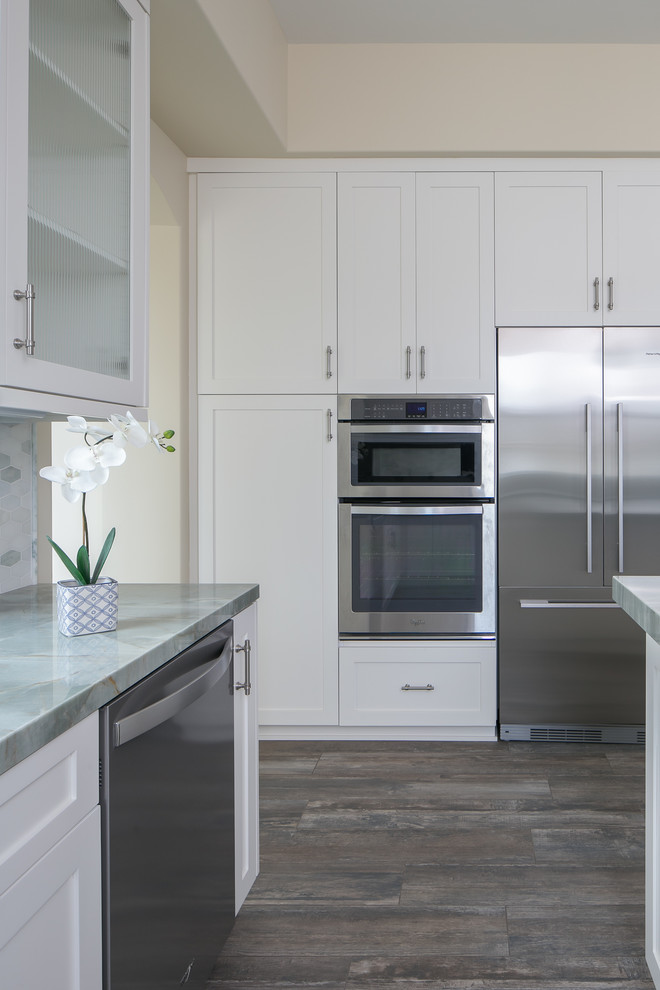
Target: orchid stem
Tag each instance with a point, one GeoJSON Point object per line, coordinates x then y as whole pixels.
{"type": "Point", "coordinates": [85, 532]}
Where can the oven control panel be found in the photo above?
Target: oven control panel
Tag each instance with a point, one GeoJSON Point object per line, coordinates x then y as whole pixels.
{"type": "Point", "coordinates": [395, 409]}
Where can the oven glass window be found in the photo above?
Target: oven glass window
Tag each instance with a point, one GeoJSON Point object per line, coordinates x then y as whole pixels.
{"type": "Point", "coordinates": [412, 459]}
{"type": "Point", "coordinates": [421, 563]}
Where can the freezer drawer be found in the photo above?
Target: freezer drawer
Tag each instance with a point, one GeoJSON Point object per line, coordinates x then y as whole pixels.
{"type": "Point", "coordinates": [568, 658]}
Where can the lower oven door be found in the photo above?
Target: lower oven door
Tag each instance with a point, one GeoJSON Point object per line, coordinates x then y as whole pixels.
{"type": "Point", "coordinates": [422, 570]}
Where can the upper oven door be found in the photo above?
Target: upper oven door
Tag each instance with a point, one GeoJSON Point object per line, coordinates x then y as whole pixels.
{"type": "Point", "coordinates": [416, 460]}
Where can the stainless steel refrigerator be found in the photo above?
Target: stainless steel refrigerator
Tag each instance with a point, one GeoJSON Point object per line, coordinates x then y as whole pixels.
{"type": "Point", "coordinates": [578, 502]}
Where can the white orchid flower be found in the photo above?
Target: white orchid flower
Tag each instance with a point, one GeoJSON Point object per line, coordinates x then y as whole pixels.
{"type": "Point", "coordinates": [127, 428]}
{"type": "Point", "coordinates": [78, 424]}
{"type": "Point", "coordinates": [96, 460]}
{"type": "Point", "coordinates": [73, 482]}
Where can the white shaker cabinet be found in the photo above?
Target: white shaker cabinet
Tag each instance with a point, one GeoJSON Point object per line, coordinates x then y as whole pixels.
{"type": "Point", "coordinates": [376, 282]}
{"type": "Point", "coordinates": [268, 514]}
{"type": "Point", "coordinates": [266, 283]}
{"type": "Point", "coordinates": [415, 282]}
{"type": "Point", "coordinates": [577, 248]}
{"type": "Point", "coordinates": [548, 249]}
{"type": "Point", "coordinates": [444, 684]}
{"type": "Point", "coordinates": [631, 248]}
{"type": "Point", "coordinates": [455, 282]}
{"type": "Point", "coordinates": [50, 866]}
{"type": "Point", "coordinates": [246, 753]}
{"type": "Point", "coordinates": [75, 111]}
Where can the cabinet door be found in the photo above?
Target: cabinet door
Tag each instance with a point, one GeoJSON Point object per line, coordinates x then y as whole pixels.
{"type": "Point", "coordinates": [267, 300]}
{"type": "Point", "coordinates": [246, 753]}
{"type": "Point", "coordinates": [631, 248]}
{"type": "Point", "coordinates": [455, 305]}
{"type": "Point", "coordinates": [50, 919]}
{"type": "Point", "coordinates": [376, 282]}
{"type": "Point", "coordinates": [77, 195]}
{"type": "Point", "coordinates": [268, 514]}
{"type": "Point", "coordinates": [548, 249]}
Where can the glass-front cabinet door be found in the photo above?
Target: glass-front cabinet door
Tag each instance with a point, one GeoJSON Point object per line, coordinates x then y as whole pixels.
{"type": "Point", "coordinates": [77, 185]}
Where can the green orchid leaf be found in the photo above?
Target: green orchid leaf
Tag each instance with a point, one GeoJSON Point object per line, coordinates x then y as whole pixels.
{"type": "Point", "coordinates": [82, 561]}
{"type": "Point", "coordinates": [68, 563]}
{"type": "Point", "coordinates": [107, 547]}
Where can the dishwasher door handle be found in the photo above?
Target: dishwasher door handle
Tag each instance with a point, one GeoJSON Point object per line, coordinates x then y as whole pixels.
{"type": "Point", "coordinates": [160, 711]}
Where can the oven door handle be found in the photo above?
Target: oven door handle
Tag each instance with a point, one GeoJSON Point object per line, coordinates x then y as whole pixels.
{"type": "Point", "coordinates": [457, 509]}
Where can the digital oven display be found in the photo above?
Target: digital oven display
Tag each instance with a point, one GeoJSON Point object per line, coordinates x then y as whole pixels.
{"type": "Point", "coordinates": [415, 410]}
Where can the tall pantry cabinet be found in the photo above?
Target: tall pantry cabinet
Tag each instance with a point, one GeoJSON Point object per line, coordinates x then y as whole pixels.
{"type": "Point", "coordinates": [267, 339]}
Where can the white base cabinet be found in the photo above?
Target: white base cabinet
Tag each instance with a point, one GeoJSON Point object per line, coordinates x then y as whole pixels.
{"type": "Point", "coordinates": [246, 753]}
{"type": "Point", "coordinates": [50, 866]}
{"type": "Point", "coordinates": [438, 683]}
{"type": "Point", "coordinates": [653, 809]}
{"type": "Point", "coordinates": [268, 514]}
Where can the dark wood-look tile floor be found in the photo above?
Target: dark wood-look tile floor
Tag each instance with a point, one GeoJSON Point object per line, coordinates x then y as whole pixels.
{"type": "Point", "coordinates": [445, 866]}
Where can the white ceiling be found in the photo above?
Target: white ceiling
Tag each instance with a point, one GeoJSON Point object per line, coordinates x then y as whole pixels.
{"type": "Point", "coordinates": [469, 21]}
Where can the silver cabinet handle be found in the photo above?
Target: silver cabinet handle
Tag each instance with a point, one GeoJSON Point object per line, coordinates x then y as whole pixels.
{"type": "Point", "coordinates": [408, 356]}
{"type": "Point", "coordinates": [412, 687]}
{"type": "Point", "coordinates": [329, 418]}
{"type": "Point", "coordinates": [328, 362]}
{"type": "Point", "coordinates": [590, 544]}
{"type": "Point", "coordinates": [596, 293]}
{"type": "Point", "coordinates": [160, 711]}
{"type": "Point", "coordinates": [422, 361]}
{"type": "Point", "coordinates": [29, 342]}
{"type": "Point", "coordinates": [246, 686]}
{"type": "Point", "coordinates": [545, 603]}
{"type": "Point", "coordinates": [619, 426]}
{"type": "Point", "coordinates": [610, 286]}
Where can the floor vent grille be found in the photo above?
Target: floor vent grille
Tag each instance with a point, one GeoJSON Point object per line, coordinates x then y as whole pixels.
{"type": "Point", "coordinates": [630, 734]}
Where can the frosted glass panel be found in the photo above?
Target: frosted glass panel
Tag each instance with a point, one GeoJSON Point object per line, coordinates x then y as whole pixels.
{"type": "Point", "coordinates": [79, 183]}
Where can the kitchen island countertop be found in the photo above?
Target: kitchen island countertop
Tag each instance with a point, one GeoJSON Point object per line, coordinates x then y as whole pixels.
{"type": "Point", "coordinates": [640, 598]}
{"type": "Point", "coordinates": [48, 681]}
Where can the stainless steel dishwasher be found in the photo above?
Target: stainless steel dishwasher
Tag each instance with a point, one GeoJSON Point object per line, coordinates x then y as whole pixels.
{"type": "Point", "coordinates": [167, 811]}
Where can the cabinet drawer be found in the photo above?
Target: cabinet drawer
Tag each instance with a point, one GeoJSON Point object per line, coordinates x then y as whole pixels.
{"type": "Point", "coordinates": [448, 684]}
{"type": "Point", "coordinates": [45, 795]}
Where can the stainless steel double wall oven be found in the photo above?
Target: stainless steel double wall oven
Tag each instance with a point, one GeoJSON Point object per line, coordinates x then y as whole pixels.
{"type": "Point", "coordinates": [416, 516]}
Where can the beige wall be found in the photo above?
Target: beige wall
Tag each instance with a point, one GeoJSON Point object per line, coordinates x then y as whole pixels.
{"type": "Point", "coordinates": [253, 39]}
{"type": "Point", "coordinates": [474, 99]}
{"type": "Point", "coordinates": [146, 498]}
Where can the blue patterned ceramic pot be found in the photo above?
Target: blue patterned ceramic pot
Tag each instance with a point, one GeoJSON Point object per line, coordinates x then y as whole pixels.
{"type": "Point", "coordinates": [87, 608]}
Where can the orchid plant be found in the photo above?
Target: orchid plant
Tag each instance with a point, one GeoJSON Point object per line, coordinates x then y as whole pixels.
{"type": "Point", "coordinates": [88, 466]}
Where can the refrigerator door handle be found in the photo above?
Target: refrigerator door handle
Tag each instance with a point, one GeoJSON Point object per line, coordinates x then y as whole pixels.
{"type": "Point", "coordinates": [590, 542]}
{"type": "Point", "coordinates": [619, 427]}
{"type": "Point", "coordinates": [546, 603]}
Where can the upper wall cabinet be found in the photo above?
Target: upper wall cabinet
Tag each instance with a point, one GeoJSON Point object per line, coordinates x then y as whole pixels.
{"type": "Point", "coordinates": [455, 282]}
{"type": "Point", "coordinates": [76, 119]}
{"type": "Point", "coordinates": [376, 282]}
{"type": "Point", "coordinates": [415, 282]}
{"type": "Point", "coordinates": [266, 289]}
{"type": "Point", "coordinates": [571, 255]}
{"type": "Point", "coordinates": [631, 248]}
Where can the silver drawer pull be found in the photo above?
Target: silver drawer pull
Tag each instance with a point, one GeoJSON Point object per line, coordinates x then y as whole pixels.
{"type": "Point", "coordinates": [596, 293]}
{"type": "Point", "coordinates": [412, 687]}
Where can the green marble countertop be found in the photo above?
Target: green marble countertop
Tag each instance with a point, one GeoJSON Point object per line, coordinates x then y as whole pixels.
{"type": "Point", "coordinates": [48, 681]}
{"type": "Point", "coordinates": [640, 598]}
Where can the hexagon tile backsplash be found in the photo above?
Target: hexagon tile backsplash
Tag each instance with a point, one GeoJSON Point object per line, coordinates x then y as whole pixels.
{"type": "Point", "coordinates": [18, 516]}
